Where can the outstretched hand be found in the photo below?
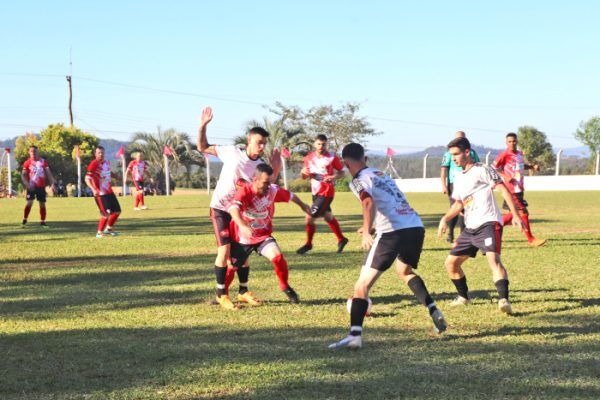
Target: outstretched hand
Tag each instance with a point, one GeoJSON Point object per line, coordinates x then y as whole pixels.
{"type": "Point", "coordinates": [276, 159]}
{"type": "Point", "coordinates": [206, 116]}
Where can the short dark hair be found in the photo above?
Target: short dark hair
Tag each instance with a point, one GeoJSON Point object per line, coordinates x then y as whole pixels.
{"type": "Point", "coordinates": [264, 168]}
{"type": "Point", "coordinates": [321, 137]}
{"type": "Point", "coordinates": [461, 142]}
{"type": "Point", "coordinates": [511, 134]}
{"type": "Point", "coordinates": [99, 147]}
{"type": "Point", "coordinates": [257, 130]}
{"type": "Point", "coordinates": [353, 151]}
{"type": "Point", "coordinates": [33, 147]}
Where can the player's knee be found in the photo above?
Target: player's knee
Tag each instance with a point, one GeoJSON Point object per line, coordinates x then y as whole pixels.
{"type": "Point", "coordinates": [451, 264]}
{"type": "Point", "coordinates": [361, 289]}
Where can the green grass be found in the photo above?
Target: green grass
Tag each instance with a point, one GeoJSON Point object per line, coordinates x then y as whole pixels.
{"type": "Point", "coordinates": [130, 317]}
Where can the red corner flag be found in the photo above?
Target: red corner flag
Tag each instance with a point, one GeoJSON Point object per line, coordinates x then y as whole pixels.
{"type": "Point", "coordinates": [285, 153]}
{"type": "Point", "coordinates": [167, 151]}
{"type": "Point", "coordinates": [121, 152]}
{"type": "Point", "coordinates": [390, 152]}
{"type": "Point", "coordinates": [7, 149]}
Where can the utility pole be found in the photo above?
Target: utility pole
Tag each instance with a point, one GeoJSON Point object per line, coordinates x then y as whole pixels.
{"type": "Point", "coordinates": [70, 99]}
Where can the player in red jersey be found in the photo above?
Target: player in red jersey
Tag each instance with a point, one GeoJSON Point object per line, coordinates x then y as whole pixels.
{"type": "Point", "coordinates": [98, 179]}
{"type": "Point", "coordinates": [323, 168]}
{"type": "Point", "coordinates": [511, 165]}
{"type": "Point", "coordinates": [137, 169]}
{"type": "Point", "coordinates": [252, 212]}
{"type": "Point", "coordinates": [35, 175]}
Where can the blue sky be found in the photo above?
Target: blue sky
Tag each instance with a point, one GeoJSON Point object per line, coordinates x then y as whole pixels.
{"type": "Point", "coordinates": [421, 70]}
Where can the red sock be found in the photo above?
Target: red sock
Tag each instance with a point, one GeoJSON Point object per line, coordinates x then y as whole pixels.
{"type": "Point", "coordinates": [102, 224]}
{"type": "Point", "coordinates": [112, 218]}
{"type": "Point", "coordinates": [335, 228]}
{"type": "Point", "coordinates": [507, 219]}
{"type": "Point", "coordinates": [229, 278]}
{"type": "Point", "coordinates": [281, 269]}
{"type": "Point", "coordinates": [310, 232]}
{"type": "Point", "coordinates": [137, 200]}
{"type": "Point", "coordinates": [527, 230]}
{"type": "Point", "coordinates": [26, 212]}
{"type": "Point", "coordinates": [141, 195]}
{"type": "Point", "coordinates": [43, 213]}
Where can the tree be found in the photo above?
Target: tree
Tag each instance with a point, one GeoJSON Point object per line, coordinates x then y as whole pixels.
{"type": "Point", "coordinates": [589, 134]}
{"type": "Point", "coordinates": [57, 144]}
{"type": "Point", "coordinates": [535, 146]}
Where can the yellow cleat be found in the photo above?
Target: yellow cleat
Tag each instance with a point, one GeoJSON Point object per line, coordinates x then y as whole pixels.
{"type": "Point", "coordinates": [249, 298]}
{"type": "Point", "coordinates": [225, 302]}
{"type": "Point", "coordinates": [537, 242]}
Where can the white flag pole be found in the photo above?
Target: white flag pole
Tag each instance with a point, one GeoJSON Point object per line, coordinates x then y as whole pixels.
{"type": "Point", "coordinates": [9, 175]}
{"type": "Point", "coordinates": [167, 180]}
{"type": "Point", "coordinates": [284, 165]}
{"type": "Point", "coordinates": [124, 175]}
{"type": "Point", "coordinates": [78, 174]}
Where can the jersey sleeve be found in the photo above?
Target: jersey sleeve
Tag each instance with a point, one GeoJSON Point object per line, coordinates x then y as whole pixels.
{"type": "Point", "coordinates": [92, 167]}
{"type": "Point", "coordinates": [475, 156]}
{"type": "Point", "coordinates": [490, 176]}
{"type": "Point", "coordinates": [225, 152]}
{"type": "Point", "coordinates": [336, 163]}
{"type": "Point", "coordinates": [362, 186]}
{"type": "Point", "coordinates": [500, 161]}
{"type": "Point", "coordinates": [130, 166]}
{"type": "Point", "coordinates": [446, 160]}
{"type": "Point", "coordinates": [240, 198]}
{"type": "Point", "coordinates": [26, 165]}
{"type": "Point", "coordinates": [456, 195]}
{"type": "Point", "coordinates": [282, 195]}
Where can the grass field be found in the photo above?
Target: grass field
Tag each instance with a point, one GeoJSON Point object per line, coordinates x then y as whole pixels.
{"type": "Point", "coordinates": [130, 317]}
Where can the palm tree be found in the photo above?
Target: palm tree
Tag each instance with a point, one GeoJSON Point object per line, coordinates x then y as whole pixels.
{"type": "Point", "coordinates": [152, 146]}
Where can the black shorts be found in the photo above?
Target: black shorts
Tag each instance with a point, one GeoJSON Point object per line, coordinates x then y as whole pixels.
{"type": "Point", "coordinates": [221, 221]}
{"type": "Point", "coordinates": [139, 185]}
{"type": "Point", "coordinates": [320, 206]}
{"type": "Point", "coordinates": [108, 204]}
{"type": "Point", "coordinates": [488, 237]}
{"type": "Point", "coordinates": [241, 252]}
{"type": "Point", "coordinates": [37, 193]}
{"type": "Point", "coordinates": [520, 202]}
{"type": "Point", "coordinates": [404, 244]}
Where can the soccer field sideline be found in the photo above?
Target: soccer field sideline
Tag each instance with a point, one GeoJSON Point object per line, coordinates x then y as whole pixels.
{"type": "Point", "coordinates": [129, 317]}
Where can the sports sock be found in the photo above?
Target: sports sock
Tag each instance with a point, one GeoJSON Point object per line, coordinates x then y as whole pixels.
{"type": "Point", "coordinates": [335, 228]}
{"type": "Point", "coordinates": [461, 287]}
{"type": "Point", "coordinates": [229, 278]}
{"type": "Point", "coordinates": [281, 270]}
{"type": "Point", "coordinates": [43, 213]}
{"type": "Point", "coordinates": [417, 286]}
{"type": "Point", "coordinates": [26, 212]}
{"type": "Point", "coordinates": [243, 274]}
{"type": "Point", "coordinates": [507, 219]}
{"type": "Point", "coordinates": [527, 230]}
{"type": "Point", "coordinates": [310, 232]}
{"type": "Point", "coordinates": [112, 218]}
{"type": "Point", "coordinates": [101, 224]}
{"type": "Point", "coordinates": [502, 288]}
{"type": "Point", "coordinates": [358, 309]}
{"type": "Point", "coordinates": [220, 273]}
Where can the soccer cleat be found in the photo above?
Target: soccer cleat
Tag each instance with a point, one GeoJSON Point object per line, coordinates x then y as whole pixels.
{"type": "Point", "coordinates": [144, 207]}
{"type": "Point", "coordinates": [225, 302]}
{"type": "Point", "coordinates": [248, 297]}
{"type": "Point", "coordinates": [439, 322]}
{"type": "Point", "coordinates": [24, 223]}
{"type": "Point", "coordinates": [136, 209]}
{"type": "Point", "coordinates": [504, 306]}
{"type": "Point", "coordinates": [111, 232]}
{"type": "Point", "coordinates": [460, 301]}
{"type": "Point", "coordinates": [349, 342]}
{"type": "Point", "coordinates": [537, 242]}
{"type": "Point", "coordinates": [341, 244]}
{"type": "Point", "coordinates": [292, 295]}
{"type": "Point", "coordinates": [44, 225]}
{"type": "Point", "coordinates": [99, 235]}
{"type": "Point", "coordinates": [304, 249]}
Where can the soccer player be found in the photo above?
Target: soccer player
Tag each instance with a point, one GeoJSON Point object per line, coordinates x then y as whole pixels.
{"type": "Point", "coordinates": [511, 166]}
{"type": "Point", "coordinates": [323, 168]}
{"type": "Point", "coordinates": [138, 168]}
{"type": "Point", "coordinates": [238, 163]}
{"type": "Point", "coordinates": [447, 174]}
{"type": "Point", "coordinates": [98, 179]}
{"type": "Point", "coordinates": [35, 175]}
{"type": "Point", "coordinates": [474, 195]}
{"type": "Point", "coordinates": [252, 212]}
{"type": "Point", "coordinates": [399, 236]}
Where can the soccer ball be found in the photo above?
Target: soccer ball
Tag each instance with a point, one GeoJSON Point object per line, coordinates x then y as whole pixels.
{"type": "Point", "coordinates": [349, 306]}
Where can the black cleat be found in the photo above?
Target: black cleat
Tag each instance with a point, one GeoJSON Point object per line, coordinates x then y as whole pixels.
{"type": "Point", "coordinates": [292, 295]}
{"type": "Point", "coordinates": [304, 249]}
{"type": "Point", "coordinates": [44, 225]}
{"type": "Point", "coordinates": [341, 244]}
{"type": "Point", "coordinates": [23, 223]}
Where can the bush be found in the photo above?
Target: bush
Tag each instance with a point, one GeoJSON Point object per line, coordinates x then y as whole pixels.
{"type": "Point", "coordinates": [299, 185]}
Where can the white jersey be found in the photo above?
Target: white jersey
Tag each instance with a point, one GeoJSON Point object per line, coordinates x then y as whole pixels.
{"type": "Point", "coordinates": [236, 165]}
{"type": "Point", "coordinates": [474, 188]}
{"type": "Point", "coordinates": [393, 211]}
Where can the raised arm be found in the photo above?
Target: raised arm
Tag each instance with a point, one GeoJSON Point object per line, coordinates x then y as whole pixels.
{"type": "Point", "coordinates": [275, 162]}
{"type": "Point", "coordinates": [202, 141]}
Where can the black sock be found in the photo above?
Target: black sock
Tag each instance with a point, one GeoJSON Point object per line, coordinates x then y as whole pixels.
{"type": "Point", "coordinates": [357, 315]}
{"type": "Point", "coordinates": [502, 288]}
{"type": "Point", "coordinates": [243, 273]}
{"type": "Point", "coordinates": [417, 286]}
{"type": "Point", "coordinates": [220, 273]}
{"type": "Point", "coordinates": [461, 287]}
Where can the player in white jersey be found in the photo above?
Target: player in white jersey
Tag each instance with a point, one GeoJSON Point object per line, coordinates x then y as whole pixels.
{"type": "Point", "coordinates": [399, 235]}
{"type": "Point", "coordinates": [474, 195]}
{"type": "Point", "coordinates": [239, 164]}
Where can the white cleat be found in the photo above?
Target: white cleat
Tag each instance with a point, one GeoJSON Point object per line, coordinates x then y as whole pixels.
{"type": "Point", "coordinates": [350, 342]}
{"type": "Point", "coordinates": [504, 306]}
{"type": "Point", "coordinates": [144, 208]}
{"type": "Point", "coordinates": [439, 322]}
{"type": "Point", "coordinates": [460, 301]}
{"type": "Point", "coordinates": [136, 209]}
